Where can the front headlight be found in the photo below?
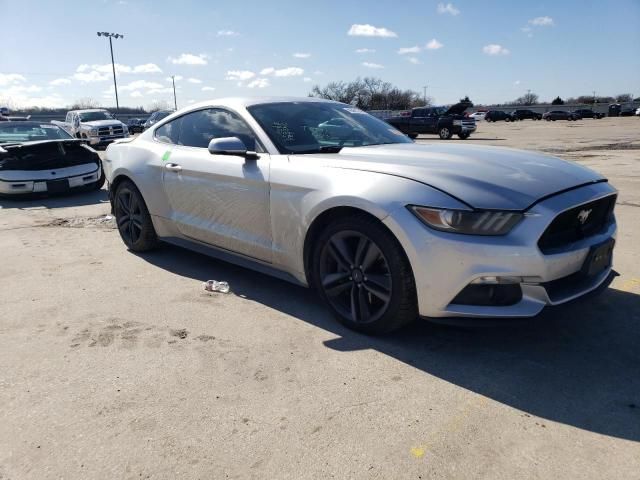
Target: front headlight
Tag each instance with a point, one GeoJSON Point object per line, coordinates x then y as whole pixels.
{"type": "Point", "coordinates": [457, 122]}
{"type": "Point", "coordinates": [482, 222]}
{"type": "Point", "coordinates": [93, 132]}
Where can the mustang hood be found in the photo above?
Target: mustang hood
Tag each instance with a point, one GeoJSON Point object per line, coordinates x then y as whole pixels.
{"type": "Point", "coordinates": [483, 177]}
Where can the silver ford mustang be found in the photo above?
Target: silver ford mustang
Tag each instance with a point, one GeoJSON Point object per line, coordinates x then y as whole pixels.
{"type": "Point", "coordinates": [325, 195]}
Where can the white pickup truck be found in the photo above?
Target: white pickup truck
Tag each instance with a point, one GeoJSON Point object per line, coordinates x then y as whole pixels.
{"type": "Point", "coordinates": [96, 125]}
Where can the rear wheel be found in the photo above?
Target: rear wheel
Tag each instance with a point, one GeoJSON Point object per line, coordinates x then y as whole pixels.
{"type": "Point", "coordinates": [445, 133]}
{"type": "Point", "coordinates": [364, 276]}
{"type": "Point", "coordinates": [133, 219]}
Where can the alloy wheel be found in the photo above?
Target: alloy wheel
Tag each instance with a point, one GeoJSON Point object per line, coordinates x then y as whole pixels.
{"type": "Point", "coordinates": [128, 215]}
{"type": "Point", "coordinates": [355, 277]}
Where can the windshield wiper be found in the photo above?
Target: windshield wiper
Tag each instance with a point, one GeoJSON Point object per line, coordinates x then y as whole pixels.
{"type": "Point", "coordinates": [323, 149]}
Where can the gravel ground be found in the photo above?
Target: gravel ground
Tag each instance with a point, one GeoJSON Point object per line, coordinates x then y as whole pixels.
{"type": "Point", "coordinates": [116, 365]}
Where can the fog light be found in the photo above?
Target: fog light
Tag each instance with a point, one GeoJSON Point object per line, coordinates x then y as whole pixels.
{"type": "Point", "coordinates": [489, 295]}
{"type": "Point", "coordinates": [490, 280]}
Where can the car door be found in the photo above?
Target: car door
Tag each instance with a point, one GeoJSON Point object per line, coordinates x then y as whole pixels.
{"type": "Point", "coordinates": [221, 200]}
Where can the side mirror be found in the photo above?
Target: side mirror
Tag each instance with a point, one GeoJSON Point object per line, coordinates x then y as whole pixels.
{"type": "Point", "coordinates": [230, 146]}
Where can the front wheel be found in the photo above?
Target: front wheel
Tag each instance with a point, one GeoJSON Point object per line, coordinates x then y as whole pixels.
{"type": "Point", "coordinates": [133, 219]}
{"type": "Point", "coordinates": [363, 275]}
{"type": "Point", "coordinates": [445, 133]}
{"type": "Point", "coordinates": [463, 136]}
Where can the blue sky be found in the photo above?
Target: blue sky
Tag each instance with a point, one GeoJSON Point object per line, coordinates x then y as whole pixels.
{"type": "Point", "coordinates": [490, 50]}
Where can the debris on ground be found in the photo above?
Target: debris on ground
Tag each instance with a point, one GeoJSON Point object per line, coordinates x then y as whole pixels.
{"type": "Point", "coordinates": [215, 286]}
{"type": "Point", "coordinates": [181, 333]}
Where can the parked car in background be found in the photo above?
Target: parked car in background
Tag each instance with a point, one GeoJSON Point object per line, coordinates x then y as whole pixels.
{"type": "Point", "coordinates": [478, 116]}
{"type": "Point", "coordinates": [638, 111]}
{"type": "Point", "coordinates": [525, 114]}
{"type": "Point", "coordinates": [497, 116]}
{"type": "Point", "coordinates": [135, 125]}
{"type": "Point", "coordinates": [384, 228]}
{"type": "Point", "coordinates": [443, 121]}
{"type": "Point", "coordinates": [627, 112]}
{"type": "Point", "coordinates": [95, 125]}
{"type": "Point", "coordinates": [43, 158]}
{"type": "Point", "coordinates": [560, 115]}
{"type": "Point", "coordinates": [155, 117]}
{"type": "Point", "coordinates": [588, 113]}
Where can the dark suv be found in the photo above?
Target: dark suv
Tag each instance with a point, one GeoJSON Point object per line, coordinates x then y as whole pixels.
{"type": "Point", "coordinates": [588, 113]}
{"type": "Point", "coordinates": [156, 117]}
{"type": "Point", "coordinates": [525, 114]}
{"type": "Point", "coordinates": [496, 116]}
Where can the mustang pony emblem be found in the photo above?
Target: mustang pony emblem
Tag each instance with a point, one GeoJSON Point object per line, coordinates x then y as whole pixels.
{"type": "Point", "coordinates": [583, 216]}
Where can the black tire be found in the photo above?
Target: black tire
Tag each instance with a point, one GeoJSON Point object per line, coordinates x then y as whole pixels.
{"type": "Point", "coordinates": [507, 119]}
{"type": "Point", "coordinates": [133, 219]}
{"type": "Point", "coordinates": [463, 136]}
{"type": "Point", "coordinates": [487, 119]}
{"type": "Point", "coordinates": [412, 136]}
{"type": "Point", "coordinates": [445, 133]}
{"type": "Point", "coordinates": [357, 300]}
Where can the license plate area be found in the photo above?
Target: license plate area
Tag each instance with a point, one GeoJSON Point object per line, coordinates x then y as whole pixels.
{"type": "Point", "coordinates": [599, 258]}
{"type": "Point", "coordinates": [56, 186]}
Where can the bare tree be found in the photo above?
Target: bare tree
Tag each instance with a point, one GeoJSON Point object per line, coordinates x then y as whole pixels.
{"type": "Point", "coordinates": [159, 105]}
{"type": "Point", "coordinates": [83, 103]}
{"type": "Point", "coordinates": [528, 98]}
{"type": "Point", "coordinates": [624, 97]}
{"type": "Point", "coordinates": [369, 94]}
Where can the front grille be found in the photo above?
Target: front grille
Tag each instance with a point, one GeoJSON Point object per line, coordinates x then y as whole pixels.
{"type": "Point", "coordinates": [105, 131]}
{"type": "Point", "coordinates": [571, 226]}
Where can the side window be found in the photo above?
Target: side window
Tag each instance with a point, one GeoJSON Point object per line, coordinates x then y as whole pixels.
{"type": "Point", "coordinates": [68, 119]}
{"type": "Point", "coordinates": [199, 128]}
{"type": "Point", "coordinates": [420, 112]}
{"type": "Point", "coordinates": [169, 132]}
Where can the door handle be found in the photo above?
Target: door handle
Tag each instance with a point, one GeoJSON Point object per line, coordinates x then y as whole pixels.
{"type": "Point", "coordinates": [173, 167]}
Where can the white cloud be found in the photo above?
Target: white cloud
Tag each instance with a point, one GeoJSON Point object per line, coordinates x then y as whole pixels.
{"type": "Point", "coordinates": [406, 50]}
{"type": "Point", "coordinates": [448, 8]}
{"type": "Point", "coordinates": [208, 89]}
{"type": "Point", "coordinates": [516, 83]}
{"type": "Point", "coordinates": [494, 49]}
{"type": "Point", "coordinates": [227, 33]}
{"type": "Point", "coordinates": [366, 30]}
{"type": "Point", "coordinates": [307, 79]}
{"type": "Point", "coordinates": [301, 55]}
{"type": "Point", "coordinates": [267, 71]}
{"type": "Point", "coordinates": [154, 91]}
{"type": "Point", "coordinates": [542, 22]}
{"type": "Point", "coordinates": [318, 72]}
{"type": "Point", "coordinates": [194, 80]}
{"type": "Point", "coordinates": [60, 81]}
{"type": "Point", "coordinates": [372, 65]}
{"type": "Point", "coordinates": [177, 78]}
{"type": "Point", "coordinates": [189, 59]}
{"type": "Point", "coordinates": [365, 50]}
{"type": "Point", "coordinates": [434, 45]}
{"type": "Point", "coordinates": [135, 94]}
{"type": "Point", "coordinates": [25, 101]}
{"type": "Point", "coordinates": [239, 75]}
{"type": "Point", "coordinates": [259, 83]}
{"type": "Point", "coordinates": [20, 89]}
{"type": "Point", "coordinates": [92, 76]}
{"type": "Point", "coordinates": [190, 101]}
{"type": "Point", "coordinates": [147, 68]}
{"type": "Point", "coordinates": [414, 60]}
{"type": "Point", "coordinates": [140, 85]}
{"type": "Point", "coordinates": [289, 72]}
{"type": "Point", "coordinates": [10, 79]}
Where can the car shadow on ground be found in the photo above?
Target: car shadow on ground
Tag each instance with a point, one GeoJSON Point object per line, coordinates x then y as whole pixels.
{"type": "Point", "coordinates": [578, 364]}
{"type": "Point", "coordinates": [74, 199]}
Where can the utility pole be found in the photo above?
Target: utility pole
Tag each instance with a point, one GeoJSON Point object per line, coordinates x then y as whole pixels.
{"type": "Point", "coordinates": [175, 102]}
{"type": "Point", "coordinates": [425, 94]}
{"type": "Point", "coordinates": [113, 64]}
{"type": "Point", "coordinates": [594, 97]}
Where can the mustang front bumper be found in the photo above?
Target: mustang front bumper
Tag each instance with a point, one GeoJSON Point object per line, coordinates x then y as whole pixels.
{"type": "Point", "coordinates": [444, 264]}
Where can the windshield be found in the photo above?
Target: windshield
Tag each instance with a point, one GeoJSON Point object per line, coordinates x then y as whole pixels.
{"type": "Point", "coordinates": [314, 127]}
{"type": "Point", "coordinates": [31, 132]}
{"type": "Point", "coordinates": [92, 116]}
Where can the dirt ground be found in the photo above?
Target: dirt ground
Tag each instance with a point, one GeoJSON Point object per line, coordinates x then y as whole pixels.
{"type": "Point", "coordinates": [115, 365]}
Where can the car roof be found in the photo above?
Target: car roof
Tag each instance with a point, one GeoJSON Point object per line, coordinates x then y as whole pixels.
{"type": "Point", "coordinates": [90, 110]}
{"type": "Point", "coordinates": [26, 124]}
{"type": "Point", "coordinates": [250, 101]}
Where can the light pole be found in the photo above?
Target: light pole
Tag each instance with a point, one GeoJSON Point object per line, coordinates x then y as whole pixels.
{"type": "Point", "coordinates": [175, 102]}
{"type": "Point", "coordinates": [425, 94]}
{"type": "Point", "coordinates": [113, 65]}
